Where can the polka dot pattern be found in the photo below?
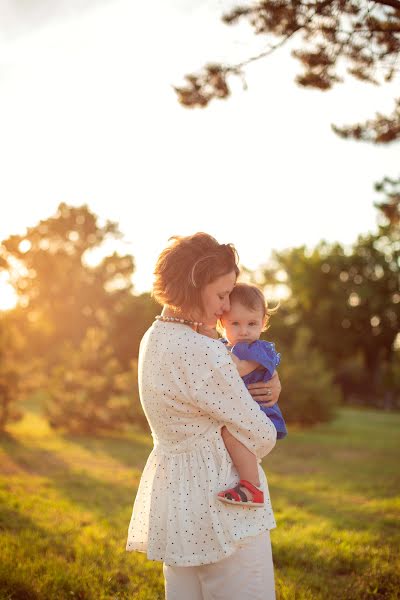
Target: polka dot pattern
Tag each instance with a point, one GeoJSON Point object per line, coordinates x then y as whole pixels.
{"type": "Point", "coordinates": [189, 388]}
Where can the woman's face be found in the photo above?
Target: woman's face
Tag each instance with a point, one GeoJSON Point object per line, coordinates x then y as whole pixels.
{"type": "Point", "coordinates": [215, 298]}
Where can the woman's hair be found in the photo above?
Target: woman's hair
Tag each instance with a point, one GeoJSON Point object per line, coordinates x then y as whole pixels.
{"type": "Point", "coordinates": [251, 297]}
{"type": "Point", "coordinates": [188, 264]}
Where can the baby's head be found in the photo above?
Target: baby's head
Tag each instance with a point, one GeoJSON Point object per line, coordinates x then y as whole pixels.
{"type": "Point", "coordinates": [248, 315]}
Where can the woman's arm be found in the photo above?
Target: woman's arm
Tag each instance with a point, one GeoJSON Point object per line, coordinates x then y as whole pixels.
{"type": "Point", "coordinates": [224, 397]}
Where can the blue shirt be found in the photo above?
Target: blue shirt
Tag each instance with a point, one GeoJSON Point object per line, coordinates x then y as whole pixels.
{"type": "Point", "coordinates": [264, 353]}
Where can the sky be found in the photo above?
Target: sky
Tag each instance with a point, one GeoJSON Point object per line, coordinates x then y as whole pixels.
{"type": "Point", "coordinates": [88, 115]}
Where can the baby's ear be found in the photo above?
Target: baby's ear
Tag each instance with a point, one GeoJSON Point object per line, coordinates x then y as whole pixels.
{"type": "Point", "coordinates": [265, 323]}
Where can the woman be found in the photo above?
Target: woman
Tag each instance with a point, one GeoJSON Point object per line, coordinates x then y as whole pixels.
{"type": "Point", "coordinates": [190, 390]}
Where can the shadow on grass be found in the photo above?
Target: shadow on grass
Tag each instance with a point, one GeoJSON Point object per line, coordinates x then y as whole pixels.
{"type": "Point", "coordinates": [14, 521]}
{"type": "Point", "coordinates": [103, 498]}
{"type": "Point", "coordinates": [131, 449]}
{"type": "Point", "coordinates": [37, 461]}
{"type": "Point", "coordinates": [303, 569]}
{"type": "Point", "coordinates": [20, 526]}
{"type": "Point", "coordinates": [348, 470]}
{"type": "Point", "coordinates": [354, 514]}
{"type": "Point", "coordinates": [12, 588]}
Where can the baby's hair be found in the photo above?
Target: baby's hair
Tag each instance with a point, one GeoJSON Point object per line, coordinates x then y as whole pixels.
{"type": "Point", "coordinates": [251, 297]}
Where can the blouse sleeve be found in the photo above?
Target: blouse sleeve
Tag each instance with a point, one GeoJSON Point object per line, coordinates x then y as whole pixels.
{"type": "Point", "coordinates": [224, 396]}
{"type": "Point", "coordinates": [260, 351]}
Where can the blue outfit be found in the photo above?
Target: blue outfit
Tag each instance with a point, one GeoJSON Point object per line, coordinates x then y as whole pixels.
{"type": "Point", "coordinates": [265, 354]}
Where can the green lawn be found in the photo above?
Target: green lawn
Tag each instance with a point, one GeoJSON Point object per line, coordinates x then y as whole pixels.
{"type": "Point", "coordinates": [65, 505]}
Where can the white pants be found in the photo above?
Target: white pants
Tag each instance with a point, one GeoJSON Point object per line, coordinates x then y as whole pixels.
{"type": "Point", "coordinates": [248, 574]}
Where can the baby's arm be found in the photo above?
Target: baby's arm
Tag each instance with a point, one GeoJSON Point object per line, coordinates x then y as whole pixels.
{"type": "Point", "coordinates": [244, 366]}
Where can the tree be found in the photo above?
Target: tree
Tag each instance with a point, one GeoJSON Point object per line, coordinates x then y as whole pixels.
{"type": "Point", "coordinates": [10, 373]}
{"type": "Point", "coordinates": [128, 325]}
{"type": "Point", "coordinates": [88, 391]}
{"type": "Point", "coordinates": [389, 215]}
{"type": "Point", "coordinates": [364, 34]}
{"type": "Point", "coordinates": [81, 324]}
{"type": "Point", "coordinates": [60, 294]}
{"type": "Point", "coordinates": [349, 301]}
{"type": "Point", "coordinates": [309, 393]}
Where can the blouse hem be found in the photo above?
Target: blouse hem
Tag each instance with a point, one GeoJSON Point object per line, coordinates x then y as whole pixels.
{"type": "Point", "coordinates": [198, 559]}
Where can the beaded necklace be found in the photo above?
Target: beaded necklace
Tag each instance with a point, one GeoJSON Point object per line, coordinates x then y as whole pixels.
{"type": "Point", "coordinates": [178, 320]}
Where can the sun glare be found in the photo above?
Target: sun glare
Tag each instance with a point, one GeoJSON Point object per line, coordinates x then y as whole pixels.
{"type": "Point", "coordinates": [8, 297]}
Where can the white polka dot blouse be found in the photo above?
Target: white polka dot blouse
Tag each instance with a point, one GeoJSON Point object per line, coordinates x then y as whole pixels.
{"type": "Point", "coordinates": [189, 388]}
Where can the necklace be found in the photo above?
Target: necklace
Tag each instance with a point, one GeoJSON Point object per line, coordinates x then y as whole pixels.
{"type": "Point", "coordinates": [178, 320]}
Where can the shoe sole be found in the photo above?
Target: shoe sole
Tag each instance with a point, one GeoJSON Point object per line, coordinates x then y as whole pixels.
{"type": "Point", "coordinates": [253, 504]}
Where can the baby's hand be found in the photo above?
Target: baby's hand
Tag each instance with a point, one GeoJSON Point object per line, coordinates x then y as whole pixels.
{"type": "Point", "coordinates": [236, 360]}
{"type": "Point", "coordinates": [244, 366]}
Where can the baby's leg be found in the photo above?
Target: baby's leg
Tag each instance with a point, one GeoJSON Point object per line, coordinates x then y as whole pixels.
{"type": "Point", "coordinates": [244, 460]}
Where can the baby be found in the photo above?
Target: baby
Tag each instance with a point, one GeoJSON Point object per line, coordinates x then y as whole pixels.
{"type": "Point", "coordinates": [256, 361]}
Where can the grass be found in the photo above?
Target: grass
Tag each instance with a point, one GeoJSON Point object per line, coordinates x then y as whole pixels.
{"type": "Point", "coordinates": [65, 505]}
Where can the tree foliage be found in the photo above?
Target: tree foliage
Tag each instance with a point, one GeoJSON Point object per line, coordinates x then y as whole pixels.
{"type": "Point", "coordinates": [76, 330]}
{"type": "Point", "coordinates": [309, 394]}
{"type": "Point", "coordinates": [379, 130]}
{"type": "Point", "coordinates": [88, 391]}
{"type": "Point", "coordinates": [128, 325]}
{"type": "Point", "coordinates": [65, 307]}
{"type": "Point", "coordinates": [352, 296]}
{"type": "Point", "coordinates": [350, 302]}
{"type": "Point", "coordinates": [56, 287]}
{"type": "Point", "coordinates": [364, 35]}
{"type": "Point", "coordinates": [389, 207]}
{"type": "Point", "coordinates": [10, 373]}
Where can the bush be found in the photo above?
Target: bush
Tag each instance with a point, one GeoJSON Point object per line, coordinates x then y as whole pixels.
{"type": "Point", "coordinates": [378, 390]}
{"type": "Point", "coordinates": [88, 391]}
{"type": "Point", "coordinates": [10, 371]}
{"type": "Point", "coordinates": [308, 392]}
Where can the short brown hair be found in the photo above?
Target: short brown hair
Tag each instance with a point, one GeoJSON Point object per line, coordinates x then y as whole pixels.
{"type": "Point", "coordinates": [188, 264]}
{"type": "Point", "coordinates": [251, 297]}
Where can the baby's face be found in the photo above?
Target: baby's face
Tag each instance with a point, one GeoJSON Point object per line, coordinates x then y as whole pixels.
{"type": "Point", "coordinates": [242, 324]}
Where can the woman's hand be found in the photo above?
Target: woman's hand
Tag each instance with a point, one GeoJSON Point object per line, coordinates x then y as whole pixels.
{"type": "Point", "coordinates": [266, 393]}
